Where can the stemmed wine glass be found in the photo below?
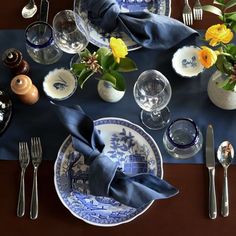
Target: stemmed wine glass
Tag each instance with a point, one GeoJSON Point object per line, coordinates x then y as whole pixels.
{"type": "Point", "coordinates": [152, 92]}
{"type": "Point", "coordinates": [70, 32]}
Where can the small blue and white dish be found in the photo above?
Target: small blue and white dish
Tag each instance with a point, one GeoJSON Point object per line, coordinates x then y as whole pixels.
{"type": "Point", "coordinates": [59, 84]}
{"type": "Point", "coordinates": [131, 147]}
{"type": "Point", "coordinates": [185, 61]}
{"type": "Point", "coordinates": [101, 39]}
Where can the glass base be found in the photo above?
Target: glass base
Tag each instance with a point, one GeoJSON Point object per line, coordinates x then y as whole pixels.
{"type": "Point", "coordinates": [75, 59]}
{"type": "Point", "coordinates": [156, 122]}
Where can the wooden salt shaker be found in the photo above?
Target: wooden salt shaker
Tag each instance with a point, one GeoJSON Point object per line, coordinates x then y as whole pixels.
{"type": "Point", "coordinates": [13, 59]}
{"type": "Point", "coordinates": [22, 86]}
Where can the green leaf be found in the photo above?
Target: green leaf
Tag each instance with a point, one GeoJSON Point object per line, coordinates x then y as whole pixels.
{"type": "Point", "coordinates": [107, 61]}
{"type": "Point", "coordinates": [77, 68]}
{"type": "Point", "coordinates": [231, 49]}
{"type": "Point", "coordinates": [233, 26]}
{"type": "Point", "coordinates": [126, 65]}
{"type": "Point", "coordinates": [223, 83]}
{"type": "Point", "coordinates": [85, 53]}
{"type": "Point", "coordinates": [219, 2]}
{"type": "Point", "coordinates": [101, 52]}
{"type": "Point", "coordinates": [213, 9]}
{"type": "Point", "coordinates": [231, 17]}
{"type": "Point", "coordinates": [84, 76]}
{"type": "Point", "coordinates": [109, 78]}
{"type": "Point", "coordinates": [120, 80]}
{"type": "Point", "coordinates": [230, 4]}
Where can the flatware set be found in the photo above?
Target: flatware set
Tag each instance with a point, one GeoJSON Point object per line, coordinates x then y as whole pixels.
{"type": "Point", "coordinates": [24, 159]}
{"type": "Point", "coordinates": [225, 155]}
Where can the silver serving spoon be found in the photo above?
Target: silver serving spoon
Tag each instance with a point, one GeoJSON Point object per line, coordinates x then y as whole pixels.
{"type": "Point", "coordinates": [225, 155]}
{"type": "Point", "coordinates": [29, 9]}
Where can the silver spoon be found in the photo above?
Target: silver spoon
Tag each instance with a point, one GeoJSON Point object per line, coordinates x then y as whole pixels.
{"type": "Point", "coordinates": [29, 9]}
{"type": "Point", "coordinates": [225, 155]}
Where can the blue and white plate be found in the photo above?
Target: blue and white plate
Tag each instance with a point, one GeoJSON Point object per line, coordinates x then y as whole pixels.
{"type": "Point", "coordinates": [125, 143]}
{"type": "Point", "coordinates": [101, 39]}
{"type": "Point", "coordinates": [185, 61]}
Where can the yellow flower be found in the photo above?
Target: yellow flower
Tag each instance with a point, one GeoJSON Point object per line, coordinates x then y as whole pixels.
{"type": "Point", "coordinates": [218, 33]}
{"type": "Point", "coordinates": [118, 48]}
{"type": "Point", "coordinates": [207, 57]}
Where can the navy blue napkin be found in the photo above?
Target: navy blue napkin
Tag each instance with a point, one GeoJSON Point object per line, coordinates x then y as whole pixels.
{"type": "Point", "coordinates": [147, 29]}
{"type": "Point", "coordinates": [105, 178]}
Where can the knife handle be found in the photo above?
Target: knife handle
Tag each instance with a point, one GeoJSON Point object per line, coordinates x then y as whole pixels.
{"type": "Point", "coordinates": [212, 194]}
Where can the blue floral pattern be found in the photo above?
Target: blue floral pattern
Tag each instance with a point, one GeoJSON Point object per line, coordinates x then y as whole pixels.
{"type": "Point", "coordinates": [128, 145]}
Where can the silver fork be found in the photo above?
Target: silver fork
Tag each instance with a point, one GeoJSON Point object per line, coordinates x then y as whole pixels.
{"type": "Point", "coordinates": [24, 161]}
{"type": "Point", "coordinates": [187, 14]}
{"type": "Point", "coordinates": [197, 10]}
{"type": "Point", "coordinates": [36, 156]}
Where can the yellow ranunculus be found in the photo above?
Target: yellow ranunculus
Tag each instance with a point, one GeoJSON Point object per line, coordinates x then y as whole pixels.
{"type": "Point", "coordinates": [207, 57]}
{"type": "Point", "coordinates": [217, 34]}
{"type": "Point", "coordinates": [118, 48]}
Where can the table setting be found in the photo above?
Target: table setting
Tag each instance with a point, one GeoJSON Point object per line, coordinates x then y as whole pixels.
{"type": "Point", "coordinates": [105, 114]}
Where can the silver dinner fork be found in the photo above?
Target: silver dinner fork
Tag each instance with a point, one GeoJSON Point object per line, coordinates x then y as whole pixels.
{"type": "Point", "coordinates": [187, 14]}
{"type": "Point", "coordinates": [36, 156]}
{"type": "Point", "coordinates": [197, 10]}
{"type": "Point", "coordinates": [24, 158]}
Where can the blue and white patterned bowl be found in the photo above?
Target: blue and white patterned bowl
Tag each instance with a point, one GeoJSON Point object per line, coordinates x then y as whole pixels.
{"type": "Point", "coordinates": [101, 39]}
{"type": "Point", "coordinates": [125, 143]}
{"type": "Point", "coordinates": [185, 61]}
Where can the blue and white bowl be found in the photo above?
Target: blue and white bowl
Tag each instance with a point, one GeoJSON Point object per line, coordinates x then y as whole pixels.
{"type": "Point", "coordinates": [59, 84]}
{"type": "Point", "coordinates": [125, 143]}
{"type": "Point", "coordinates": [185, 61]}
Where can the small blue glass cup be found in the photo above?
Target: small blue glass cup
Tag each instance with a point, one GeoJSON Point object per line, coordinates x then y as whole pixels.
{"type": "Point", "coordinates": [182, 139]}
{"type": "Point", "coordinates": [40, 43]}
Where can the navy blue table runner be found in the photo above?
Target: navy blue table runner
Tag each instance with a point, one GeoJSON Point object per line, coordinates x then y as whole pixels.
{"type": "Point", "coordinates": [189, 99]}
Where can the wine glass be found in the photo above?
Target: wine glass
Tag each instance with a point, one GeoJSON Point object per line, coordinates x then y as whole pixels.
{"type": "Point", "coordinates": [152, 92]}
{"type": "Point", "coordinates": [70, 32]}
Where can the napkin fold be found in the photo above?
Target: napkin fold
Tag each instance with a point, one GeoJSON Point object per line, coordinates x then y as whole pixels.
{"type": "Point", "coordinates": [105, 178]}
{"type": "Point", "coordinates": [145, 28]}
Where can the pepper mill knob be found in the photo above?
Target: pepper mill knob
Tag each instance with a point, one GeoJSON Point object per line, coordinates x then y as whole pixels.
{"type": "Point", "coordinates": [23, 87]}
{"type": "Point", "coordinates": [13, 59]}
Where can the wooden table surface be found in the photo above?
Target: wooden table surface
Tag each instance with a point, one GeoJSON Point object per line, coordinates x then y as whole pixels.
{"type": "Point", "coordinates": [184, 214]}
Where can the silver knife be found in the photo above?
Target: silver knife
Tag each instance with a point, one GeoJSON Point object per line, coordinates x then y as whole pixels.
{"type": "Point", "coordinates": [210, 163]}
{"type": "Point", "coordinates": [44, 8]}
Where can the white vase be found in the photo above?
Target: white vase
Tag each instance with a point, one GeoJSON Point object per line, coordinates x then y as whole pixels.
{"type": "Point", "coordinates": [108, 93]}
{"type": "Point", "coordinates": [220, 97]}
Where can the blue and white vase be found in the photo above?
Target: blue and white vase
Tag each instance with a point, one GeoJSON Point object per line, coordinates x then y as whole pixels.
{"type": "Point", "coordinates": [108, 93]}
{"type": "Point", "coordinates": [222, 98]}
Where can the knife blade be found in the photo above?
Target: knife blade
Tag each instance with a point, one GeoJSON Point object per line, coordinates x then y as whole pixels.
{"type": "Point", "coordinates": [44, 8]}
{"type": "Point", "coordinates": [210, 163]}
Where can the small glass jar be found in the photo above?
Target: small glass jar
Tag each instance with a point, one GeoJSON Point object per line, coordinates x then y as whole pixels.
{"type": "Point", "coordinates": [182, 139]}
{"type": "Point", "coordinates": [40, 43]}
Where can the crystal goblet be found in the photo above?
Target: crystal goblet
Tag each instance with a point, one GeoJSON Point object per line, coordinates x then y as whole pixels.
{"type": "Point", "coordinates": [152, 92]}
{"type": "Point", "coordinates": [70, 32]}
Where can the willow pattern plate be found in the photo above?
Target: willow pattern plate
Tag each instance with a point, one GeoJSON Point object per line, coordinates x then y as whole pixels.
{"type": "Point", "coordinates": [101, 39]}
{"type": "Point", "coordinates": [125, 143]}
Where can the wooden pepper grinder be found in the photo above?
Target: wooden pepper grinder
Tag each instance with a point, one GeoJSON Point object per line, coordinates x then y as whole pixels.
{"type": "Point", "coordinates": [22, 86]}
{"type": "Point", "coordinates": [12, 58]}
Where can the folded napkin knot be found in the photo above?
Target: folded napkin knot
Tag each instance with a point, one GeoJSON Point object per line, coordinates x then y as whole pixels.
{"type": "Point", "coordinates": [105, 178]}
{"type": "Point", "coordinates": [145, 28]}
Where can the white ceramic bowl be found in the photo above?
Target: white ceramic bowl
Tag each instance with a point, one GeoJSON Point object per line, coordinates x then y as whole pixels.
{"type": "Point", "coordinates": [185, 61]}
{"type": "Point", "coordinates": [59, 84]}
